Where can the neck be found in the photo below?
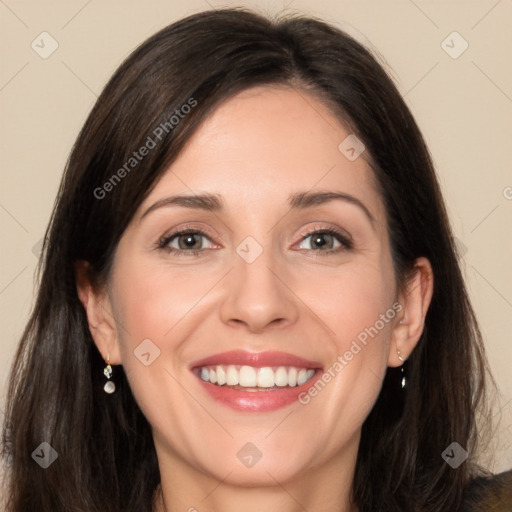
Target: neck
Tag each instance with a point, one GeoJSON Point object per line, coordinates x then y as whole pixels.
{"type": "Point", "coordinates": [327, 488]}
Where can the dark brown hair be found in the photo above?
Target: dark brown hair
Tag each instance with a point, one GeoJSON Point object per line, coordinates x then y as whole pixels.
{"type": "Point", "coordinates": [106, 456]}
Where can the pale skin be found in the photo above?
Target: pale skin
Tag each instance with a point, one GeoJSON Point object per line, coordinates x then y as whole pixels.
{"type": "Point", "coordinates": [299, 296]}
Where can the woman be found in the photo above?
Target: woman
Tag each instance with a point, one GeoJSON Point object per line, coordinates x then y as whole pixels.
{"type": "Point", "coordinates": [250, 297]}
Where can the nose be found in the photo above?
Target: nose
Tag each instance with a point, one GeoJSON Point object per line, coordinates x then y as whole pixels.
{"type": "Point", "coordinates": [258, 297]}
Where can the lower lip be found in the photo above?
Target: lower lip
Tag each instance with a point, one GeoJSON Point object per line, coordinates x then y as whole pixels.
{"type": "Point", "coordinates": [257, 401]}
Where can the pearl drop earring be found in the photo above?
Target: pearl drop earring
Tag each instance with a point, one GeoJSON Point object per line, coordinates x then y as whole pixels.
{"type": "Point", "coordinates": [109, 386]}
{"type": "Point", "coordinates": [404, 380]}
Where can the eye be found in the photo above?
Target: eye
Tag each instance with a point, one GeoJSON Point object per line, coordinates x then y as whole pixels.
{"type": "Point", "coordinates": [325, 240]}
{"type": "Point", "coordinates": [188, 241]}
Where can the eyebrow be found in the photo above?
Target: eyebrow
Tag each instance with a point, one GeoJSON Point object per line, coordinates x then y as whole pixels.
{"type": "Point", "coordinates": [302, 200]}
{"type": "Point", "coordinates": [206, 202]}
{"type": "Point", "coordinates": [297, 201]}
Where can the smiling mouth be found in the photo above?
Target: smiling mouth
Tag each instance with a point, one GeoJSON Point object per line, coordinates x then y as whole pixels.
{"type": "Point", "coordinates": [250, 378]}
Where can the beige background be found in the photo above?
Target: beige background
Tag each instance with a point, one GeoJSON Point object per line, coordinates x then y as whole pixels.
{"type": "Point", "coordinates": [463, 105]}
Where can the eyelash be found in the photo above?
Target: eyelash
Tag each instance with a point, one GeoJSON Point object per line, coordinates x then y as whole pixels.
{"type": "Point", "coordinates": [342, 238]}
{"type": "Point", "coordinates": [165, 240]}
{"type": "Point", "coordinates": [345, 241]}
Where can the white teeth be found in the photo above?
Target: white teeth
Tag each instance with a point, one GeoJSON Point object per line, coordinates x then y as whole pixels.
{"type": "Point", "coordinates": [265, 378]}
{"type": "Point", "coordinates": [221, 376]}
{"type": "Point", "coordinates": [249, 377]}
{"type": "Point", "coordinates": [281, 376]}
{"type": "Point", "coordinates": [302, 377]}
{"type": "Point", "coordinates": [232, 378]}
{"type": "Point", "coordinates": [292, 377]}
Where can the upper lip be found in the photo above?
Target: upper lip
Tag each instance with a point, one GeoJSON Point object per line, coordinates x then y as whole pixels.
{"type": "Point", "coordinates": [257, 359]}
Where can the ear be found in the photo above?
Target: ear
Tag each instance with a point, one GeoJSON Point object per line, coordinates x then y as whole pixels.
{"type": "Point", "coordinates": [99, 314]}
{"type": "Point", "coordinates": [410, 321]}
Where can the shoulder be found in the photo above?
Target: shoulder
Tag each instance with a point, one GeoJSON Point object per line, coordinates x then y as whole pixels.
{"type": "Point", "coordinates": [489, 493]}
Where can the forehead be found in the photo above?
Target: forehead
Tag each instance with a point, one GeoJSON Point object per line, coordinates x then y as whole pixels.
{"type": "Point", "coordinates": [266, 143]}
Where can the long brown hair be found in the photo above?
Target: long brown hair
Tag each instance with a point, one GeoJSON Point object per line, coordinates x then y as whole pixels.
{"type": "Point", "coordinates": [106, 456]}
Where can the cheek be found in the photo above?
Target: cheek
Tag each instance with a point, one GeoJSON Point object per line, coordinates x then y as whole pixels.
{"type": "Point", "coordinates": [149, 304]}
{"type": "Point", "coordinates": [351, 298]}
{"type": "Point", "coordinates": [152, 300]}
{"type": "Point", "coordinates": [154, 307]}
{"type": "Point", "coordinates": [356, 304]}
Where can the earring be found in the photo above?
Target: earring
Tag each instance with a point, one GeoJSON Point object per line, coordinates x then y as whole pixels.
{"type": "Point", "coordinates": [109, 386]}
{"type": "Point", "coordinates": [404, 380]}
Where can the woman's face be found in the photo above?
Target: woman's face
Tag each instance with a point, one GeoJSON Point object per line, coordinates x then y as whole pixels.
{"type": "Point", "coordinates": [270, 267]}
